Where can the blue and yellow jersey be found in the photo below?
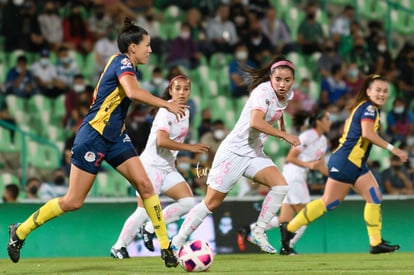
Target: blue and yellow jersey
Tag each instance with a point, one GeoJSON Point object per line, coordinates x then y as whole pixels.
{"type": "Point", "coordinates": [110, 103]}
{"type": "Point", "coordinates": [352, 145]}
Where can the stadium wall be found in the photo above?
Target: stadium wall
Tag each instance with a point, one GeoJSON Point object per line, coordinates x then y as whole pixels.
{"type": "Point", "coordinates": [92, 230]}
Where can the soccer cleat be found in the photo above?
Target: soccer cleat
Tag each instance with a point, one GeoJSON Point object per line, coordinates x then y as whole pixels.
{"type": "Point", "coordinates": [15, 244]}
{"type": "Point", "coordinates": [169, 257]}
{"type": "Point", "coordinates": [286, 235]}
{"type": "Point", "coordinates": [260, 239]}
{"type": "Point", "coordinates": [147, 237]}
{"type": "Point", "coordinates": [383, 247]}
{"type": "Point", "coordinates": [288, 251]}
{"type": "Point", "coordinates": [119, 253]}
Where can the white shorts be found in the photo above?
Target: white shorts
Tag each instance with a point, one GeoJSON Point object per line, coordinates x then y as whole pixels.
{"type": "Point", "coordinates": [162, 180]}
{"type": "Point", "coordinates": [228, 167]}
{"type": "Point", "coordinates": [298, 189]}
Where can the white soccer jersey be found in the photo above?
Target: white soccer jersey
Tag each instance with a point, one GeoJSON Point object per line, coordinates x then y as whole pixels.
{"type": "Point", "coordinates": [247, 141]}
{"type": "Point", "coordinates": [312, 147]}
{"type": "Point", "coordinates": [177, 129]}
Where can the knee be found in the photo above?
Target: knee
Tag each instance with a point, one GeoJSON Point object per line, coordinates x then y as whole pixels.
{"type": "Point", "coordinates": [144, 188]}
{"type": "Point", "coordinates": [70, 205]}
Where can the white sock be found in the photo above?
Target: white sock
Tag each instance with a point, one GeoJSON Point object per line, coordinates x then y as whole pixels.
{"type": "Point", "coordinates": [192, 221]}
{"type": "Point", "coordinates": [131, 227]}
{"type": "Point", "coordinates": [297, 236]}
{"type": "Point", "coordinates": [173, 212]}
{"type": "Point", "coordinates": [271, 205]}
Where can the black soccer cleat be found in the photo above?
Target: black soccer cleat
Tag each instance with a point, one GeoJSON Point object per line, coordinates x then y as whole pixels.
{"type": "Point", "coordinates": [168, 256]}
{"type": "Point", "coordinates": [15, 244]}
{"type": "Point", "coordinates": [288, 251]}
{"type": "Point", "coordinates": [383, 247]}
{"type": "Point", "coordinates": [147, 237]}
{"type": "Point", "coordinates": [121, 253]}
{"type": "Point", "coordinates": [286, 235]}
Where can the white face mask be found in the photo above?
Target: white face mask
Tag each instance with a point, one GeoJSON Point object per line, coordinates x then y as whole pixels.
{"type": "Point", "coordinates": [399, 110]}
{"type": "Point", "coordinates": [78, 88]}
{"type": "Point", "coordinates": [381, 48]}
{"type": "Point", "coordinates": [184, 166]}
{"type": "Point", "coordinates": [219, 134]}
{"type": "Point", "coordinates": [241, 55]}
{"type": "Point", "coordinates": [204, 158]}
{"type": "Point", "coordinates": [44, 61]}
{"type": "Point", "coordinates": [157, 80]}
{"type": "Point", "coordinates": [185, 35]}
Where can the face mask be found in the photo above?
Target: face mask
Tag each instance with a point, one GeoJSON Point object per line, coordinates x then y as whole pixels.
{"type": "Point", "coordinates": [18, 70]}
{"type": "Point", "coordinates": [204, 158]}
{"type": "Point", "coordinates": [310, 16]}
{"type": "Point", "coordinates": [185, 35]}
{"type": "Point", "coordinates": [59, 180]}
{"type": "Point", "coordinates": [66, 60]}
{"type": "Point", "coordinates": [157, 80]}
{"type": "Point", "coordinates": [18, 2]}
{"type": "Point", "coordinates": [184, 166]}
{"type": "Point", "coordinates": [353, 72]}
{"type": "Point", "coordinates": [241, 55]}
{"type": "Point", "coordinates": [44, 61]}
{"type": "Point", "coordinates": [359, 48]}
{"type": "Point", "coordinates": [399, 110]}
{"type": "Point", "coordinates": [381, 48]}
{"type": "Point", "coordinates": [219, 134]}
{"type": "Point", "coordinates": [33, 190]}
{"type": "Point", "coordinates": [334, 118]}
{"type": "Point", "coordinates": [78, 88]}
{"type": "Point", "coordinates": [305, 90]}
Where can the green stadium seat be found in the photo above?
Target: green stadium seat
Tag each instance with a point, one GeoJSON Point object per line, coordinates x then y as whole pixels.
{"type": "Point", "coordinates": [402, 22]}
{"type": "Point", "coordinates": [293, 17]}
{"type": "Point", "coordinates": [7, 178]}
{"type": "Point", "coordinates": [44, 157]}
{"type": "Point", "coordinates": [6, 144]}
{"type": "Point", "coordinates": [371, 9]}
{"type": "Point", "coordinates": [111, 184]}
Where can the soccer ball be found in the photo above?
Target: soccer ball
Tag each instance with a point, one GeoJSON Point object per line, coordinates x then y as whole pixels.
{"type": "Point", "coordinates": [195, 256]}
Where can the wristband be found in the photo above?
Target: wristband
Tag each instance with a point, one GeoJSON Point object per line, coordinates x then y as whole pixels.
{"type": "Point", "coordinates": [390, 147]}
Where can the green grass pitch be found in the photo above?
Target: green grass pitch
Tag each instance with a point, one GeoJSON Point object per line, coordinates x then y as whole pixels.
{"type": "Point", "coordinates": [237, 264]}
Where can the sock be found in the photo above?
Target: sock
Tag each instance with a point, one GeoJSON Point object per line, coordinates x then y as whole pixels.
{"type": "Point", "coordinates": [311, 212]}
{"type": "Point", "coordinates": [297, 236]}
{"type": "Point", "coordinates": [174, 211]}
{"type": "Point", "coordinates": [192, 221]}
{"type": "Point", "coordinates": [48, 211]}
{"type": "Point", "coordinates": [270, 206]}
{"type": "Point", "coordinates": [373, 220]}
{"type": "Point", "coordinates": [154, 211]}
{"type": "Point", "coordinates": [131, 227]}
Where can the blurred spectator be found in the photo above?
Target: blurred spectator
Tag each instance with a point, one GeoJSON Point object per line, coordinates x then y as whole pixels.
{"type": "Point", "coordinates": [78, 95]}
{"type": "Point", "coordinates": [182, 51]}
{"type": "Point", "coordinates": [31, 188]}
{"type": "Point", "coordinates": [198, 32]}
{"type": "Point", "coordinates": [256, 43]}
{"type": "Point", "coordinates": [20, 80]}
{"type": "Point", "coordinates": [240, 18]}
{"type": "Point", "coordinates": [46, 77]}
{"type": "Point", "coordinates": [221, 31]}
{"type": "Point", "coordinates": [301, 101]}
{"type": "Point", "coordinates": [310, 32]}
{"type": "Point", "coordinates": [396, 179]}
{"type": "Point", "coordinates": [334, 89]}
{"type": "Point", "coordinates": [5, 115]}
{"type": "Point", "coordinates": [258, 7]}
{"type": "Point", "coordinates": [353, 79]}
{"type": "Point", "coordinates": [213, 138]}
{"type": "Point", "coordinates": [238, 81]}
{"type": "Point", "coordinates": [277, 31]}
{"type": "Point", "coordinates": [361, 56]}
{"type": "Point", "coordinates": [56, 187]}
{"type": "Point", "coordinates": [184, 167]}
{"type": "Point", "coordinates": [375, 167]}
{"type": "Point", "coordinates": [50, 24]}
{"type": "Point", "coordinates": [66, 67]}
{"type": "Point", "coordinates": [400, 122]}
{"type": "Point", "coordinates": [104, 48]}
{"type": "Point", "coordinates": [76, 33]}
{"type": "Point", "coordinates": [328, 59]}
{"type": "Point", "coordinates": [157, 84]}
{"type": "Point", "coordinates": [406, 79]}
{"type": "Point", "coordinates": [337, 116]}
{"type": "Point", "coordinates": [205, 125]}
{"type": "Point", "coordinates": [99, 21]}
{"type": "Point", "coordinates": [375, 31]}
{"type": "Point", "coordinates": [150, 21]}
{"type": "Point", "coordinates": [11, 193]}
{"type": "Point", "coordinates": [383, 61]}
{"type": "Point", "coordinates": [341, 25]}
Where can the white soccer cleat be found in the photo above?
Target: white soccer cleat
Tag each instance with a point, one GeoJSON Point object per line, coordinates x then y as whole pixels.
{"type": "Point", "coordinates": [260, 239]}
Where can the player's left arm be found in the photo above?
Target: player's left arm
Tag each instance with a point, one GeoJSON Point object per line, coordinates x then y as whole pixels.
{"type": "Point", "coordinates": [164, 140]}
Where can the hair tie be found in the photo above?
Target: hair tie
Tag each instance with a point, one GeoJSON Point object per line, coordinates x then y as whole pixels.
{"type": "Point", "coordinates": [176, 77]}
{"type": "Point", "coordinates": [282, 63]}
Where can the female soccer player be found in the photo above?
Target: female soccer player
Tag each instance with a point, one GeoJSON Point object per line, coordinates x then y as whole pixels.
{"type": "Point", "coordinates": [102, 137]}
{"type": "Point", "coordinates": [165, 140]}
{"type": "Point", "coordinates": [348, 168]}
{"type": "Point", "coordinates": [241, 152]}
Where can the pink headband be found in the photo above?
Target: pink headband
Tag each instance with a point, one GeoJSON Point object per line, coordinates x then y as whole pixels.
{"type": "Point", "coordinates": [177, 77]}
{"type": "Point", "coordinates": [282, 63]}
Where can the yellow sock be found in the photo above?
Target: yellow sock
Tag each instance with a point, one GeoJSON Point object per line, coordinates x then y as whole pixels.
{"type": "Point", "coordinates": [311, 212]}
{"type": "Point", "coordinates": [154, 211]}
{"type": "Point", "coordinates": [373, 220]}
{"type": "Point", "coordinates": [48, 211]}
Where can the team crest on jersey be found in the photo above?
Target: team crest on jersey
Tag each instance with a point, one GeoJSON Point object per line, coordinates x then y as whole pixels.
{"type": "Point", "coordinates": [169, 122]}
{"type": "Point", "coordinates": [125, 63]}
{"type": "Point", "coordinates": [370, 111]}
{"type": "Point", "coordinates": [90, 156]}
{"type": "Point", "coordinates": [267, 101]}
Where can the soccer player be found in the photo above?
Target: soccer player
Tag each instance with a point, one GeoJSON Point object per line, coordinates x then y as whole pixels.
{"type": "Point", "coordinates": [348, 167]}
{"type": "Point", "coordinates": [241, 152]}
{"type": "Point", "coordinates": [158, 158]}
{"type": "Point", "coordinates": [102, 136]}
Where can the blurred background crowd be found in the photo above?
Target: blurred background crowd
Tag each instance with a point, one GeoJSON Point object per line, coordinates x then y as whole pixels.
{"type": "Point", "coordinates": [52, 53]}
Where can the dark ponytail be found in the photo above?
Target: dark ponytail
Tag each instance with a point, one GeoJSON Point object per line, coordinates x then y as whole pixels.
{"type": "Point", "coordinates": [130, 33]}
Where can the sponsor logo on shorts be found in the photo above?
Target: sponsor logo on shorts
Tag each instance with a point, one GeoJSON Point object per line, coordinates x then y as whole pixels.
{"type": "Point", "coordinates": [90, 156]}
{"type": "Point", "coordinates": [126, 139]}
{"type": "Point", "coordinates": [334, 169]}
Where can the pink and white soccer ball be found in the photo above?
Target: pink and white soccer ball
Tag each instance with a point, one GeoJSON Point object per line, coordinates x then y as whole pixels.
{"type": "Point", "coordinates": [195, 256]}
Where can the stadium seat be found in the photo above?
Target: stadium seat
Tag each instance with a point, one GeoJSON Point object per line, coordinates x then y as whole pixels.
{"type": "Point", "coordinates": [371, 9]}
{"type": "Point", "coordinates": [7, 178]}
{"type": "Point", "coordinates": [111, 184]}
{"type": "Point", "coordinates": [42, 156]}
{"type": "Point", "coordinates": [293, 17]}
{"type": "Point", "coordinates": [402, 22]}
{"type": "Point", "coordinates": [6, 144]}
